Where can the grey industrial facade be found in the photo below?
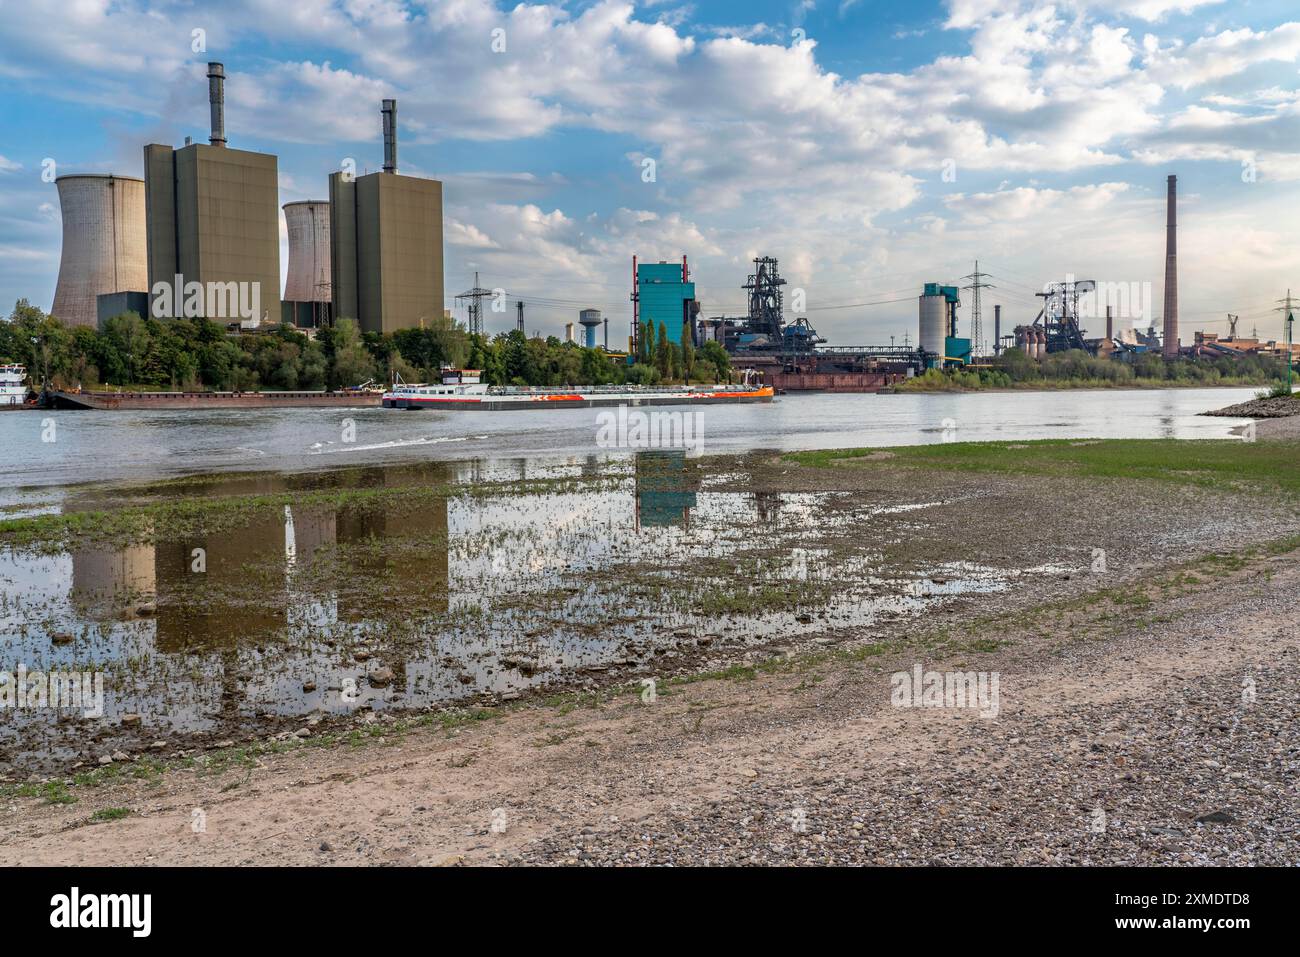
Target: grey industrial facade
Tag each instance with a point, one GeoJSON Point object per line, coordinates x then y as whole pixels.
{"type": "Point", "coordinates": [386, 249]}
{"type": "Point", "coordinates": [386, 243]}
{"type": "Point", "coordinates": [213, 216]}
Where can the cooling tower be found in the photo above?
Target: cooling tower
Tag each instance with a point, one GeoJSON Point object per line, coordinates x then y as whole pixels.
{"type": "Point", "coordinates": [104, 248]}
{"type": "Point", "coordinates": [308, 223]}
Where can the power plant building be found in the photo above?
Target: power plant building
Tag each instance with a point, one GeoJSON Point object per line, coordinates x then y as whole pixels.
{"type": "Point", "coordinates": [386, 243]}
{"type": "Point", "coordinates": [307, 286]}
{"type": "Point", "coordinates": [664, 294]}
{"type": "Point", "coordinates": [104, 246]}
{"type": "Point", "coordinates": [213, 218]}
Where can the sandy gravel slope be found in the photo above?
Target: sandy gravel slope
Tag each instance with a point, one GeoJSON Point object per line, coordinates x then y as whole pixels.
{"type": "Point", "coordinates": [1114, 734]}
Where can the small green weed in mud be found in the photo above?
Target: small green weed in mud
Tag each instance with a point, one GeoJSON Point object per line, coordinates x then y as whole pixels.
{"type": "Point", "coordinates": [54, 792]}
{"type": "Point", "coordinates": [109, 814]}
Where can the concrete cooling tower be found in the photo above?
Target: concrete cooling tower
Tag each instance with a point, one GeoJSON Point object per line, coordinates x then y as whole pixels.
{"type": "Point", "coordinates": [104, 247]}
{"type": "Point", "coordinates": [307, 286]}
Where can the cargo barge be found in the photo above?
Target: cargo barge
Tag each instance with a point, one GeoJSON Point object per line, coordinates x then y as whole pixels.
{"type": "Point", "coordinates": [211, 400]}
{"type": "Point", "coordinates": [463, 389]}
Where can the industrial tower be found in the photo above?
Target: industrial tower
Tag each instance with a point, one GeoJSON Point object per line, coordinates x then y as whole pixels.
{"type": "Point", "coordinates": [386, 243]}
{"type": "Point", "coordinates": [212, 213]}
{"type": "Point", "coordinates": [1170, 349]}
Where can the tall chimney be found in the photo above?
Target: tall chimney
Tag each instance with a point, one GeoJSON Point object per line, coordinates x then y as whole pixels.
{"type": "Point", "coordinates": [1171, 272]}
{"type": "Point", "coordinates": [1110, 325]}
{"type": "Point", "coordinates": [997, 329]}
{"type": "Point", "coordinates": [217, 103]}
{"type": "Point", "coordinates": [390, 136]}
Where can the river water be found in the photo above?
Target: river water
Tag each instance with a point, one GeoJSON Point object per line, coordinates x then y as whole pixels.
{"type": "Point", "coordinates": [98, 447]}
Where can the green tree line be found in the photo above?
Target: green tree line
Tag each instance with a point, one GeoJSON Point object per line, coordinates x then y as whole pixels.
{"type": "Point", "coordinates": [193, 354]}
{"type": "Point", "coordinates": [1015, 368]}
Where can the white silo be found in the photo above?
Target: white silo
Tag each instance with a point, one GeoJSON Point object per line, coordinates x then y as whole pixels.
{"type": "Point", "coordinates": [307, 285]}
{"type": "Point", "coordinates": [104, 246]}
{"type": "Point", "coordinates": [934, 321]}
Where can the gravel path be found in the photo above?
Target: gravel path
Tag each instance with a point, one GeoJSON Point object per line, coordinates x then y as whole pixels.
{"type": "Point", "coordinates": [1141, 750]}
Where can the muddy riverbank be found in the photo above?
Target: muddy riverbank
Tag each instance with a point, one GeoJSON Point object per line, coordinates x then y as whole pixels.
{"type": "Point", "coordinates": [414, 595]}
{"type": "Point", "coordinates": [1152, 722]}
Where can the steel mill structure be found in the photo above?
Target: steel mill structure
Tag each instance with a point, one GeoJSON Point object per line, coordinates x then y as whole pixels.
{"type": "Point", "coordinates": [790, 355]}
{"type": "Point", "coordinates": [104, 247]}
{"type": "Point", "coordinates": [307, 286]}
{"type": "Point", "coordinates": [386, 243]}
{"type": "Point", "coordinates": [213, 218]}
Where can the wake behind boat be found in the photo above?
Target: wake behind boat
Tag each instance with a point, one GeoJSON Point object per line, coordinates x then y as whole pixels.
{"type": "Point", "coordinates": [464, 389]}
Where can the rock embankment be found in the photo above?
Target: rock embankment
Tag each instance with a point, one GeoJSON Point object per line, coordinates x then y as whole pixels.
{"type": "Point", "coordinates": [1279, 407]}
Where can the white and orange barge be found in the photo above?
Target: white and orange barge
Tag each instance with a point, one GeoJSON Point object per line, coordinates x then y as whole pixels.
{"type": "Point", "coordinates": [464, 389]}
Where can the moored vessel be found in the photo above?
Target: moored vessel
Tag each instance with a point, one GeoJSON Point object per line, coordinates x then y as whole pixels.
{"type": "Point", "coordinates": [13, 385]}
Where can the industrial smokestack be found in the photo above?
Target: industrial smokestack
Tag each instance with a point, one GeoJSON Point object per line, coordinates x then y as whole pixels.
{"type": "Point", "coordinates": [997, 329]}
{"type": "Point", "coordinates": [390, 136]}
{"type": "Point", "coordinates": [217, 103]}
{"type": "Point", "coordinates": [1171, 272]}
{"type": "Point", "coordinates": [1110, 325]}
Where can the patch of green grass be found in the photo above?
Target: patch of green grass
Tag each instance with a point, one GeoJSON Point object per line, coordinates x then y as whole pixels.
{"type": "Point", "coordinates": [981, 645]}
{"type": "Point", "coordinates": [109, 814]}
{"type": "Point", "coordinates": [54, 792]}
{"type": "Point", "coordinates": [1264, 467]}
{"type": "Point", "coordinates": [1278, 390]}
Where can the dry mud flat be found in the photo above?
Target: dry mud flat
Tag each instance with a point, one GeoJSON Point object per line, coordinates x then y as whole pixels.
{"type": "Point", "coordinates": [1145, 715]}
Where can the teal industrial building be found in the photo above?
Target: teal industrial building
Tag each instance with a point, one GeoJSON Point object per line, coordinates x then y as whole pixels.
{"type": "Point", "coordinates": [663, 295]}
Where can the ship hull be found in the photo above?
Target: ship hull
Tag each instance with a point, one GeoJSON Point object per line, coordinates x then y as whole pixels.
{"type": "Point", "coordinates": [210, 400]}
{"type": "Point", "coordinates": [501, 403]}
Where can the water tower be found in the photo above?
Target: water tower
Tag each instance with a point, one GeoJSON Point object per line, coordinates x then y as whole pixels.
{"type": "Point", "coordinates": [591, 320]}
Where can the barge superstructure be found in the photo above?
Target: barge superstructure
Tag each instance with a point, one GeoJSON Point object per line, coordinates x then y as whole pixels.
{"type": "Point", "coordinates": [13, 385]}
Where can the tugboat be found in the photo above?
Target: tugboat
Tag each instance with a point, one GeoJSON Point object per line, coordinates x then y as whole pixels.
{"type": "Point", "coordinates": [464, 389]}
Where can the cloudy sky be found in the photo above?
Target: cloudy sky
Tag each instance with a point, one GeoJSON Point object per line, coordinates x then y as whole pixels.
{"type": "Point", "coordinates": [871, 146]}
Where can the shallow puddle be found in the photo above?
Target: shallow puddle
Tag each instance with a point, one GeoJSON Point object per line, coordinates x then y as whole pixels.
{"type": "Point", "coordinates": [479, 593]}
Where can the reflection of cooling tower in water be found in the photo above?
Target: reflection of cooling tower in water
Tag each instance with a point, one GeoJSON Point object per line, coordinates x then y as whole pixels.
{"type": "Point", "coordinates": [665, 488]}
{"type": "Point", "coordinates": [110, 582]}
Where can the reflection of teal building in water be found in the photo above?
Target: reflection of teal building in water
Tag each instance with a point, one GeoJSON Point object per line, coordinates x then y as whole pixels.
{"type": "Point", "coordinates": [665, 489]}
